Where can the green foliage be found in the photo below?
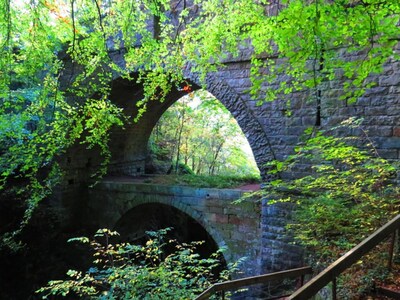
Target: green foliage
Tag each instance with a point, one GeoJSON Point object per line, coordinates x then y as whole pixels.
{"type": "Point", "coordinates": [217, 181]}
{"type": "Point", "coordinates": [56, 63]}
{"type": "Point", "coordinates": [315, 41]}
{"type": "Point", "coordinates": [348, 194]}
{"type": "Point", "coordinates": [125, 271]}
{"type": "Point", "coordinates": [204, 181]}
{"type": "Point", "coordinates": [38, 120]}
{"type": "Point", "coordinates": [201, 133]}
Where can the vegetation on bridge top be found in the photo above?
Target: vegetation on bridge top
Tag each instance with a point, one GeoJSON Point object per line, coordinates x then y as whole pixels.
{"type": "Point", "coordinates": [204, 181]}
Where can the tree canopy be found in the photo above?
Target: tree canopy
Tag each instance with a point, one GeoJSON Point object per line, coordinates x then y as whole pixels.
{"type": "Point", "coordinates": [44, 43]}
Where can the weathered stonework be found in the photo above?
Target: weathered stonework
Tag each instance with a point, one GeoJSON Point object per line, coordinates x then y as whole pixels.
{"type": "Point", "coordinates": [272, 134]}
{"type": "Point", "coordinates": [234, 226]}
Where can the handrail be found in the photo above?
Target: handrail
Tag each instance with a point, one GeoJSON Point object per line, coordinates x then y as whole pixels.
{"type": "Point", "coordinates": [239, 283]}
{"type": "Point", "coordinates": [330, 273]}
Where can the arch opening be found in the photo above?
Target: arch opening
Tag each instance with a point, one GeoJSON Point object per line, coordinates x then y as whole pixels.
{"type": "Point", "coordinates": [129, 146]}
{"type": "Point", "coordinates": [198, 135]}
{"type": "Point", "coordinates": [133, 226]}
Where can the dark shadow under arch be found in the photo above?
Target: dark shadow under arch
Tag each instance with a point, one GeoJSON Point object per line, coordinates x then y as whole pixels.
{"type": "Point", "coordinates": [155, 216]}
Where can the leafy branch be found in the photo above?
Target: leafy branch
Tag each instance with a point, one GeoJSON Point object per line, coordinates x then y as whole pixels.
{"type": "Point", "coordinates": [143, 271]}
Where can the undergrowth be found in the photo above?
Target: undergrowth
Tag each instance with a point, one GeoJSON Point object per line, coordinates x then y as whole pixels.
{"type": "Point", "coordinates": [204, 181]}
{"type": "Point", "coordinates": [346, 195]}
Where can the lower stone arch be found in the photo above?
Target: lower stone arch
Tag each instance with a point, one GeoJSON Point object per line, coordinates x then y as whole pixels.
{"type": "Point", "coordinates": [141, 208]}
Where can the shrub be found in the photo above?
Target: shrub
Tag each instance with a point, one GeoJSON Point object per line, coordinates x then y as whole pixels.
{"type": "Point", "coordinates": [347, 194]}
{"type": "Point", "coordinates": [125, 271]}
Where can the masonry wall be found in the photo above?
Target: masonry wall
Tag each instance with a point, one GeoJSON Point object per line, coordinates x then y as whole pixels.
{"type": "Point", "coordinates": [270, 130]}
{"type": "Point", "coordinates": [236, 226]}
{"type": "Point", "coordinates": [378, 108]}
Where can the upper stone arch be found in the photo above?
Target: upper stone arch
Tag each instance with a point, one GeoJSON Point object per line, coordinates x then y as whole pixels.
{"type": "Point", "coordinates": [129, 145]}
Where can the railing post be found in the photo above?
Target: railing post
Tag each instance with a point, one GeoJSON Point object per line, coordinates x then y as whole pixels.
{"type": "Point", "coordinates": [391, 250]}
{"type": "Point", "coordinates": [223, 295]}
{"type": "Point", "coordinates": [334, 289]}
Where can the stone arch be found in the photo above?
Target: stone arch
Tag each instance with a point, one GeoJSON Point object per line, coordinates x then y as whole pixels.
{"type": "Point", "coordinates": [129, 146]}
{"type": "Point", "coordinates": [250, 124]}
{"type": "Point", "coordinates": [184, 209]}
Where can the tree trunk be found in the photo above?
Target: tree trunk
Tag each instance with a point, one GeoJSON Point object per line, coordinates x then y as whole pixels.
{"type": "Point", "coordinates": [179, 141]}
{"type": "Point", "coordinates": [214, 161]}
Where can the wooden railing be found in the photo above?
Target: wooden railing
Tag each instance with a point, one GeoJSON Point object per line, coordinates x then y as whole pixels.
{"type": "Point", "coordinates": [335, 269]}
{"type": "Point", "coordinates": [240, 283]}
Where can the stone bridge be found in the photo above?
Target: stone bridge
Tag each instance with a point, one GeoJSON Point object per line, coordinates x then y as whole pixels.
{"type": "Point", "coordinates": [272, 134]}
{"type": "Point", "coordinates": [132, 207]}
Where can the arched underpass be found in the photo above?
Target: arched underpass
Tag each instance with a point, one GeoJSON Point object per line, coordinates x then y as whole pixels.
{"type": "Point", "coordinates": [133, 226]}
{"type": "Point", "coordinates": [133, 207]}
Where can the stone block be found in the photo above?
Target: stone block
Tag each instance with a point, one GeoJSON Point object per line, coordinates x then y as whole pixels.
{"type": "Point", "coordinates": [394, 90]}
{"type": "Point", "coordinates": [231, 210]}
{"type": "Point", "coordinates": [211, 194]}
{"type": "Point", "coordinates": [393, 110]}
{"type": "Point", "coordinates": [238, 236]}
{"type": "Point", "coordinates": [383, 120]}
{"type": "Point", "coordinates": [309, 121]}
{"type": "Point", "coordinates": [235, 220]}
{"type": "Point", "coordinates": [333, 93]}
{"type": "Point", "coordinates": [295, 130]}
{"type": "Point", "coordinates": [351, 111]}
{"type": "Point", "coordinates": [388, 153]}
{"type": "Point", "coordinates": [396, 131]}
{"type": "Point", "coordinates": [391, 80]}
{"type": "Point", "coordinates": [249, 228]}
{"type": "Point", "coordinates": [333, 119]}
{"type": "Point", "coordinates": [294, 121]}
{"type": "Point", "coordinates": [217, 218]}
{"type": "Point", "coordinates": [229, 194]}
{"type": "Point", "coordinates": [187, 191]}
{"type": "Point", "coordinates": [275, 229]}
{"type": "Point", "coordinates": [387, 143]}
{"type": "Point", "coordinates": [363, 101]}
{"type": "Point", "coordinates": [215, 209]}
{"type": "Point", "coordinates": [377, 91]}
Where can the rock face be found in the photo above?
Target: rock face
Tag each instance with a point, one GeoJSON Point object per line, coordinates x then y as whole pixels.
{"type": "Point", "coordinates": [272, 133]}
